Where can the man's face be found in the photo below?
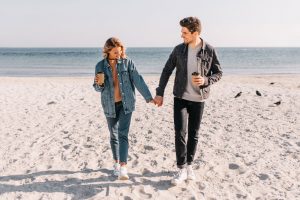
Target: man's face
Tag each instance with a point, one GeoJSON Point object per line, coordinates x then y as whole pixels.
{"type": "Point", "coordinates": [115, 53]}
{"type": "Point", "coordinates": [187, 36]}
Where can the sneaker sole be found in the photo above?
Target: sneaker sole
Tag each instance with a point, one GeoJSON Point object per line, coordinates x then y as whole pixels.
{"type": "Point", "coordinates": [124, 178]}
{"type": "Point", "coordinates": [191, 178]}
{"type": "Point", "coordinates": [178, 183]}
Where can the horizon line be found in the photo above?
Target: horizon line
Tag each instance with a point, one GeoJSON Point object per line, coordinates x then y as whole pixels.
{"type": "Point", "coordinates": [32, 47]}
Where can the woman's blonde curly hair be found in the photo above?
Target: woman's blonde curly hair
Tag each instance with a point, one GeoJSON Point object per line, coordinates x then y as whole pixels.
{"type": "Point", "coordinates": [112, 43]}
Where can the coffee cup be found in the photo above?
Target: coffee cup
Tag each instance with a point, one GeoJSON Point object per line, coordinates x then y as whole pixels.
{"type": "Point", "coordinates": [100, 78]}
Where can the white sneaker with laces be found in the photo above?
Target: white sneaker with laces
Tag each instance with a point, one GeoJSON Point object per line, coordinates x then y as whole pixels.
{"type": "Point", "coordinates": [190, 173]}
{"type": "Point", "coordinates": [116, 171]}
{"type": "Point", "coordinates": [180, 177]}
{"type": "Point", "coordinates": [123, 173]}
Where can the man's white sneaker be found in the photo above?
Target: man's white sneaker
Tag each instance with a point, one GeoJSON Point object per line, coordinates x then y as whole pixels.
{"type": "Point", "coordinates": [180, 177]}
{"type": "Point", "coordinates": [116, 171]}
{"type": "Point", "coordinates": [190, 173]}
{"type": "Point", "coordinates": [123, 173]}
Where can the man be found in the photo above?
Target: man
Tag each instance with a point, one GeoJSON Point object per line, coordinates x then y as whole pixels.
{"type": "Point", "coordinates": [193, 56]}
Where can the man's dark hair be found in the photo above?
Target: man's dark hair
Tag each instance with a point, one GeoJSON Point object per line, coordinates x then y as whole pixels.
{"type": "Point", "coordinates": [193, 24]}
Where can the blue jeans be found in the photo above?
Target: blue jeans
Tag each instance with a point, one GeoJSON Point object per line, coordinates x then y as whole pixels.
{"type": "Point", "coordinates": [119, 128]}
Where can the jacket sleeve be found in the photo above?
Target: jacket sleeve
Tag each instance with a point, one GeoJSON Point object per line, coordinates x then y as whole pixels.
{"type": "Point", "coordinates": [139, 82]}
{"type": "Point", "coordinates": [215, 73]}
{"type": "Point", "coordinates": [97, 87]}
{"type": "Point", "coordinates": [166, 73]}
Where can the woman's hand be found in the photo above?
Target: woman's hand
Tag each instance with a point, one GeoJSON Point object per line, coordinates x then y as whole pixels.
{"type": "Point", "coordinates": [99, 78]}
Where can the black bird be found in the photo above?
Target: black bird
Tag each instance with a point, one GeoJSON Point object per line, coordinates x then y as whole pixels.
{"type": "Point", "coordinates": [238, 95]}
{"type": "Point", "coordinates": [277, 103]}
{"type": "Point", "coordinates": [271, 83]}
{"type": "Point", "coordinates": [258, 93]}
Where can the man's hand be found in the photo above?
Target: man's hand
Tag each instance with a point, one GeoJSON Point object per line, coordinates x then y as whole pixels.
{"type": "Point", "coordinates": [159, 100]}
{"type": "Point", "coordinates": [153, 101]}
{"type": "Point", "coordinates": [198, 80]}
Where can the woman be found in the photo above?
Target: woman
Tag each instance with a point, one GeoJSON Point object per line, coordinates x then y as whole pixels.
{"type": "Point", "coordinates": [116, 78]}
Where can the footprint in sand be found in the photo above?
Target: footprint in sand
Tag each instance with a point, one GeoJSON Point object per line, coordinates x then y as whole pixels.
{"type": "Point", "coordinates": [201, 185]}
{"type": "Point", "coordinates": [137, 119]}
{"type": "Point", "coordinates": [233, 166]}
{"type": "Point", "coordinates": [240, 196]}
{"type": "Point", "coordinates": [128, 198]}
{"type": "Point", "coordinates": [135, 163]}
{"type": "Point", "coordinates": [146, 171]}
{"type": "Point", "coordinates": [33, 143]}
{"type": "Point", "coordinates": [263, 177]}
{"type": "Point", "coordinates": [145, 195]}
{"type": "Point", "coordinates": [150, 148]}
{"type": "Point", "coordinates": [51, 102]}
{"type": "Point", "coordinates": [153, 163]}
{"type": "Point", "coordinates": [66, 147]}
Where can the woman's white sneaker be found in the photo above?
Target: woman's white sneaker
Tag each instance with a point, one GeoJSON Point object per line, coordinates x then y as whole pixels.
{"type": "Point", "coordinates": [123, 173]}
{"type": "Point", "coordinates": [116, 169]}
{"type": "Point", "coordinates": [180, 177]}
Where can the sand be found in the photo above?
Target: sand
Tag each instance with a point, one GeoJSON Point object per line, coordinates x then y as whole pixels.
{"type": "Point", "coordinates": [55, 142]}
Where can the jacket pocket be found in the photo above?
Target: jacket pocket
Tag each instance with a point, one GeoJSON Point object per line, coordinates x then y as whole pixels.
{"type": "Point", "coordinates": [205, 92]}
{"type": "Point", "coordinates": [206, 65]}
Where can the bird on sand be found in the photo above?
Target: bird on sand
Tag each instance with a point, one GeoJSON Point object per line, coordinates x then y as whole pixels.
{"type": "Point", "coordinates": [238, 95]}
{"type": "Point", "coordinates": [258, 93]}
{"type": "Point", "coordinates": [277, 103]}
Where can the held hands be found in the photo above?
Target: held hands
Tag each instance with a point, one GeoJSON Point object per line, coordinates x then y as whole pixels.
{"type": "Point", "coordinates": [198, 80]}
{"type": "Point", "coordinates": [158, 101]}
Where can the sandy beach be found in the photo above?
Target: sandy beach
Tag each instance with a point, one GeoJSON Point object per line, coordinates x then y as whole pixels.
{"type": "Point", "coordinates": [55, 142]}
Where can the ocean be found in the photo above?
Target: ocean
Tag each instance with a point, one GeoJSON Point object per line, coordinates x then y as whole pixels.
{"type": "Point", "coordinates": [81, 61]}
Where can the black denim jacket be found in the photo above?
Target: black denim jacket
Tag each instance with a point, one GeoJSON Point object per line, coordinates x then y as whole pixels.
{"type": "Point", "coordinates": [210, 69]}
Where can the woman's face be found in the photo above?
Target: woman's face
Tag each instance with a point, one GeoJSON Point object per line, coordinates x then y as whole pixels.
{"type": "Point", "coordinates": [115, 53]}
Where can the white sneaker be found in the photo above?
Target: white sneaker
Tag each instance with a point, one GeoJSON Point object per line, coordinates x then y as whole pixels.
{"type": "Point", "coordinates": [180, 177]}
{"type": "Point", "coordinates": [123, 173]}
{"type": "Point", "coordinates": [190, 173]}
{"type": "Point", "coordinates": [116, 171]}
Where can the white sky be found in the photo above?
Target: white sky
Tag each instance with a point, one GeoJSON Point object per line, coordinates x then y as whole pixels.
{"type": "Point", "coordinates": [147, 23]}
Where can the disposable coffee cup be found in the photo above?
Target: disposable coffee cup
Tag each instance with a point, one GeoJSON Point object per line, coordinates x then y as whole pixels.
{"type": "Point", "coordinates": [194, 74]}
{"type": "Point", "coordinates": [100, 76]}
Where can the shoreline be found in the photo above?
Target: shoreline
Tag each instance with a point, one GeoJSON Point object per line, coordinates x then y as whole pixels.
{"type": "Point", "coordinates": [158, 74]}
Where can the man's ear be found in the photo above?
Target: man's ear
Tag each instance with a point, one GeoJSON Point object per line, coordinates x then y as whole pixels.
{"type": "Point", "coordinates": [196, 34]}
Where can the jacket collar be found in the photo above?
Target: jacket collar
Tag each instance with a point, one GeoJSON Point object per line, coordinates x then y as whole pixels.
{"type": "Point", "coordinates": [106, 64]}
{"type": "Point", "coordinates": [203, 46]}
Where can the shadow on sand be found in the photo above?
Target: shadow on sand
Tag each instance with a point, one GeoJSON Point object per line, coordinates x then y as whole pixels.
{"type": "Point", "coordinates": [80, 188]}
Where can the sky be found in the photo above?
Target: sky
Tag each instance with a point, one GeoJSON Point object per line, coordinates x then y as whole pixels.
{"type": "Point", "coordinates": [148, 23]}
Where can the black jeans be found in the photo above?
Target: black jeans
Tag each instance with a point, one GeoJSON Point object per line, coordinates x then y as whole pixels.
{"type": "Point", "coordinates": [186, 112]}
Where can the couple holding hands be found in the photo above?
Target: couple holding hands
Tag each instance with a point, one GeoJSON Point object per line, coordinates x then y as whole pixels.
{"type": "Point", "coordinates": [116, 77]}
